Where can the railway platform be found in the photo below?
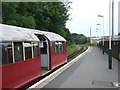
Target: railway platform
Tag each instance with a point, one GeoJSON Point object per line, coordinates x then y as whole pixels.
{"type": "Point", "coordinates": [86, 71]}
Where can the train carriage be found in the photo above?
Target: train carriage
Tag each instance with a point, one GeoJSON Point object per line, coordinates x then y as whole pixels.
{"type": "Point", "coordinates": [27, 53]}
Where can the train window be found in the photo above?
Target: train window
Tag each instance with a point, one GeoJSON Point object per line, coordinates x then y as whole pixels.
{"type": "Point", "coordinates": [18, 51]}
{"type": "Point", "coordinates": [114, 43]}
{"type": "Point", "coordinates": [61, 46]}
{"type": "Point", "coordinates": [56, 47]}
{"type": "Point", "coordinates": [6, 54]}
{"type": "Point", "coordinates": [53, 47]}
{"type": "Point", "coordinates": [35, 49]}
{"type": "Point", "coordinates": [117, 43]}
{"type": "Point", "coordinates": [28, 50]}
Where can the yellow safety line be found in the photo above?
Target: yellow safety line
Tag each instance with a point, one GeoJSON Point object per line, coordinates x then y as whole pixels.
{"type": "Point", "coordinates": [46, 73]}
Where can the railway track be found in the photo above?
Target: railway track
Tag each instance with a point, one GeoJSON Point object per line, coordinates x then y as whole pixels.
{"type": "Point", "coordinates": [75, 54]}
{"type": "Point", "coordinates": [69, 58]}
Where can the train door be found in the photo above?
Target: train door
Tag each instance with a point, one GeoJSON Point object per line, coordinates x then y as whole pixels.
{"type": "Point", "coordinates": [44, 47]}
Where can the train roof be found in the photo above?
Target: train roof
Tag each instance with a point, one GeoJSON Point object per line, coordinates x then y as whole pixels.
{"type": "Point", "coordinates": [14, 33]}
{"type": "Point", "coordinates": [50, 35]}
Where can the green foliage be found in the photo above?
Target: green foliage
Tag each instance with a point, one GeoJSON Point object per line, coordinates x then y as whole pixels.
{"type": "Point", "coordinates": [71, 49]}
{"type": "Point", "coordinates": [47, 16]}
{"type": "Point", "coordinates": [80, 38]}
{"type": "Point", "coordinates": [15, 13]}
{"type": "Point", "coordinates": [70, 39]}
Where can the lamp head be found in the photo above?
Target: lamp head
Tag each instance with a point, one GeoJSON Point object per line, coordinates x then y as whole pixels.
{"type": "Point", "coordinates": [100, 16]}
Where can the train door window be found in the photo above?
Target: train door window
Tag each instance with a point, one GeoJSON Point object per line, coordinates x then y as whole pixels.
{"type": "Point", "coordinates": [18, 51]}
{"type": "Point", "coordinates": [44, 48]}
{"type": "Point", "coordinates": [28, 50]}
{"type": "Point", "coordinates": [35, 49]}
{"type": "Point", "coordinates": [3, 53]}
{"type": "Point", "coordinates": [10, 53]}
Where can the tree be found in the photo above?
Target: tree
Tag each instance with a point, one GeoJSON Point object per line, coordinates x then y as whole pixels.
{"type": "Point", "coordinates": [46, 16]}
{"type": "Point", "coordinates": [79, 38]}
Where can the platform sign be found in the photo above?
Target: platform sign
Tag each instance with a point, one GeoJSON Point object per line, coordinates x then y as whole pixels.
{"type": "Point", "coordinates": [41, 44]}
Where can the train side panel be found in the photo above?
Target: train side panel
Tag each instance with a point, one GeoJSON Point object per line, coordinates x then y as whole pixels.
{"type": "Point", "coordinates": [58, 58]}
{"type": "Point", "coordinates": [20, 73]}
{"type": "Point", "coordinates": [0, 78]}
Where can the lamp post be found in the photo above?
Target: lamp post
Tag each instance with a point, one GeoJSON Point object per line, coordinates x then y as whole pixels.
{"type": "Point", "coordinates": [100, 44]}
{"type": "Point", "coordinates": [97, 36]}
{"type": "Point", "coordinates": [110, 29]}
{"type": "Point", "coordinates": [97, 31]}
{"type": "Point", "coordinates": [90, 35]}
{"type": "Point", "coordinates": [112, 19]}
{"type": "Point", "coordinates": [103, 31]}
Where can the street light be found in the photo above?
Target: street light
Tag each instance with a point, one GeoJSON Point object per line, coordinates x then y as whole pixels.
{"type": "Point", "coordinates": [90, 35]}
{"type": "Point", "coordinates": [110, 29]}
{"type": "Point", "coordinates": [97, 31]}
{"type": "Point", "coordinates": [103, 30]}
{"type": "Point", "coordinates": [112, 19]}
{"type": "Point", "coordinates": [99, 37]}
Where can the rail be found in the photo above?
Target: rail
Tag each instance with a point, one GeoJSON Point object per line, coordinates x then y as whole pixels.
{"type": "Point", "coordinates": [75, 54]}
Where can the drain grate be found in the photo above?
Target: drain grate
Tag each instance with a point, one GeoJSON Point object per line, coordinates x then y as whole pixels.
{"type": "Point", "coordinates": [116, 84]}
{"type": "Point", "coordinates": [102, 83]}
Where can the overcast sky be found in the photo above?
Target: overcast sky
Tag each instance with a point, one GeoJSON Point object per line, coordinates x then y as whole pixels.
{"type": "Point", "coordinates": [84, 15]}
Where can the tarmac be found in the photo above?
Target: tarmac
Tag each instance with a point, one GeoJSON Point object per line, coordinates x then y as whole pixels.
{"type": "Point", "coordinates": [88, 71]}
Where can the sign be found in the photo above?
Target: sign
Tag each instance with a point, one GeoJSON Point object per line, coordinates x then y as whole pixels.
{"type": "Point", "coordinates": [41, 44]}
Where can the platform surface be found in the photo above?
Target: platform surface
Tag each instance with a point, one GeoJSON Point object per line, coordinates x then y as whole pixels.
{"type": "Point", "coordinates": [90, 71]}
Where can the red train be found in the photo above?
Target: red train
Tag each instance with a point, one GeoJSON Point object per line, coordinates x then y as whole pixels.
{"type": "Point", "coordinates": [27, 53]}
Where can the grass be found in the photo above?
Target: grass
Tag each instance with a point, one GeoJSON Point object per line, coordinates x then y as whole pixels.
{"type": "Point", "coordinates": [72, 48]}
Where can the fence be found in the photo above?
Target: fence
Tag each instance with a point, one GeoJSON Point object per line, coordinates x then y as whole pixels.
{"type": "Point", "coordinates": [115, 48]}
